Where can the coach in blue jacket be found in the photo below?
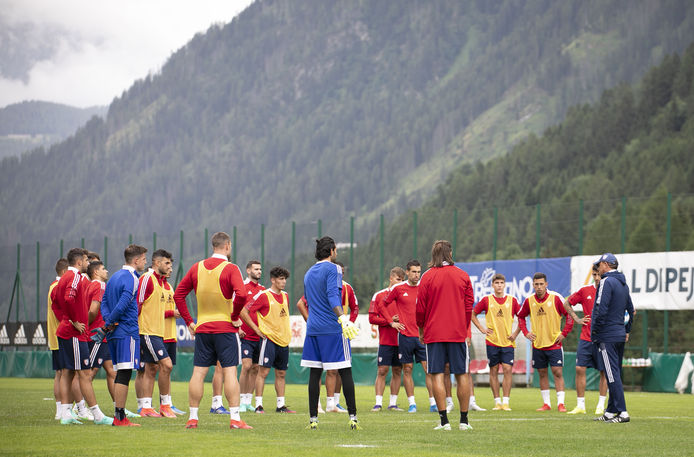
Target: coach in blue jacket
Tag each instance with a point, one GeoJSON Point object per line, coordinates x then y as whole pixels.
{"type": "Point", "coordinates": [609, 332]}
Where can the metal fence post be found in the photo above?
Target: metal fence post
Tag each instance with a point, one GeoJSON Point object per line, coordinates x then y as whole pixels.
{"type": "Point", "coordinates": [262, 252]}
{"type": "Point", "coordinates": [351, 249]}
{"type": "Point", "coordinates": [455, 233]}
{"type": "Point", "coordinates": [668, 233]}
{"type": "Point", "coordinates": [207, 252]}
{"type": "Point", "coordinates": [537, 233]}
{"type": "Point", "coordinates": [38, 277]}
{"type": "Point", "coordinates": [496, 232]}
{"type": "Point", "coordinates": [580, 227]}
{"type": "Point", "coordinates": [381, 262]}
{"type": "Point", "coordinates": [293, 264]}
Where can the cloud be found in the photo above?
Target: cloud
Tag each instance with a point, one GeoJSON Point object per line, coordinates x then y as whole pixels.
{"type": "Point", "coordinates": [103, 47]}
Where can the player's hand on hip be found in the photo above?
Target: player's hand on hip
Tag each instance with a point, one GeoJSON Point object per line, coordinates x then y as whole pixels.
{"type": "Point", "coordinates": [559, 339]}
{"type": "Point", "coordinates": [396, 318]}
{"type": "Point", "coordinates": [397, 326]}
{"type": "Point", "coordinates": [488, 331]}
{"type": "Point", "coordinates": [191, 328]}
{"type": "Point", "coordinates": [531, 336]}
{"type": "Point", "coordinates": [236, 323]}
{"type": "Point", "coordinates": [349, 330]}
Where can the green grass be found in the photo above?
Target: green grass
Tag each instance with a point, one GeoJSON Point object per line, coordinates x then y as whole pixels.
{"type": "Point", "coordinates": [662, 424]}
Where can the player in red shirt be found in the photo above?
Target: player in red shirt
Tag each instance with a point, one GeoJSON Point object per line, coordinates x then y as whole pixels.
{"type": "Point", "coordinates": [250, 341]}
{"type": "Point", "coordinates": [546, 309]}
{"type": "Point", "coordinates": [404, 297]}
{"type": "Point", "coordinates": [499, 310]}
{"type": "Point", "coordinates": [71, 307]}
{"type": "Point", "coordinates": [387, 346]}
{"type": "Point", "coordinates": [444, 308]}
{"type": "Point", "coordinates": [221, 295]}
{"type": "Point", "coordinates": [586, 354]}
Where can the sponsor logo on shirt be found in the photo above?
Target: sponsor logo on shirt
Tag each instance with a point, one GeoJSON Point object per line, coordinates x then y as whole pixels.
{"type": "Point", "coordinates": [541, 311]}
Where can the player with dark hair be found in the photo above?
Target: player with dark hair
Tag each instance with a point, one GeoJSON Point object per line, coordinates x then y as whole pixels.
{"type": "Point", "coordinates": [73, 351]}
{"type": "Point", "coordinates": [221, 295]}
{"type": "Point", "coordinates": [387, 344]}
{"type": "Point", "coordinates": [271, 311]}
{"type": "Point", "coordinates": [499, 309]}
{"type": "Point", "coordinates": [119, 310]}
{"type": "Point", "coordinates": [410, 349]}
{"type": "Point", "coordinates": [586, 354]}
{"type": "Point", "coordinates": [609, 332]}
{"type": "Point", "coordinates": [52, 323]}
{"type": "Point", "coordinates": [153, 291]}
{"type": "Point", "coordinates": [328, 330]}
{"type": "Point", "coordinates": [546, 309]}
{"type": "Point", "coordinates": [250, 341]}
{"type": "Point", "coordinates": [444, 309]}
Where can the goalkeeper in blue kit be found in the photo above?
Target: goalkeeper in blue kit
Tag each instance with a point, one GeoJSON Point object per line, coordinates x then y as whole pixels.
{"type": "Point", "coordinates": [328, 330]}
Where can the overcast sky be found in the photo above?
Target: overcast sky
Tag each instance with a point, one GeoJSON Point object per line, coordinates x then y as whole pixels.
{"type": "Point", "coordinates": [101, 47]}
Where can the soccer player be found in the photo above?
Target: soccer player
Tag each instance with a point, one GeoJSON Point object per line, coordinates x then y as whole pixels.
{"type": "Point", "coordinates": [609, 332]}
{"type": "Point", "coordinates": [271, 311]}
{"type": "Point", "coordinates": [328, 330]}
{"type": "Point", "coordinates": [119, 310]}
{"type": "Point", "coordinates": [499, 310]}
{"type": "Point", "coordinates": [216, 282]}
{"type": "Point", "coordinates": [250, 341]}
{"type": "Point", "coordinates": [73, 351]}
{"type": "Point", "coordinates": [333, 383]}
{"type": "Point", "coordinates": [444, 308]}
{"type": "Point", "coordinates": [387, 345]}
{"type": "Point", "coordinates": [546, 309]}
{"type": "Point", "coordinates": [410, 349]}
{"type": "Point", "coordinates": [99, 355]}
{"type": "Point", "coordinates": [151, 300]}
{"type": "Point", "coordinates": [51, 327]}
{"type": "Point", "coordinates": [586, 354]}
{"type": "Point", "coordinates": [170, 341]}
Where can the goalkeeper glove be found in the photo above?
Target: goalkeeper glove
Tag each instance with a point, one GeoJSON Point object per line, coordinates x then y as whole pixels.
{"type": "Point", "coordinates": [349, 330]}
{"type": "Point", "coordinates": [99, 334]}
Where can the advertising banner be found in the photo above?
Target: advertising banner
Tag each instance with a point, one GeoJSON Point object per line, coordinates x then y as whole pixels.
{"type": "Point", "coordinates": [657, 280]}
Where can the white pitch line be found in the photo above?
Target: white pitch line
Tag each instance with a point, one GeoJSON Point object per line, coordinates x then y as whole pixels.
{"type": "Point", "coordinates": [356, 445]}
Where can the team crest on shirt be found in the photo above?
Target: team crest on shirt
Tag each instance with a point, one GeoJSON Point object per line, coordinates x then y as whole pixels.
{"type": "Point", "coordinates": [160, 352]}
{"type": "Point", "coordinates": [142, 364]}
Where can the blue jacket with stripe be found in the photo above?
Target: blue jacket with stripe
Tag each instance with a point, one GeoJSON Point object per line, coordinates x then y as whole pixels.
{"type": "Point", "coordinates": [613, 299]}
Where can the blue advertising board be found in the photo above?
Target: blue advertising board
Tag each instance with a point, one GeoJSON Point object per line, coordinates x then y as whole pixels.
{"type": "Point", "coordinates": [519, 275]}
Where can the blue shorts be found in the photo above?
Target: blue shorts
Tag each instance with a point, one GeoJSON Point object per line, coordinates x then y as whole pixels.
{"type": "Point", "coordinates": [497, 355]}
{"type": "Point", "coordinates": [329, 352]}
{"type": "Point", "coordinates": [410, 348]}
{"type": "Point", "coordinates": [125, 352]}
{"type": "Point", "coordinates": [73, 354]}
{"type": "Point", "coordinates": [388, 356]}
{"type": "Point", "coordinates": [98, 354]}
{"type": "Point", "coordinates": [453, 353]}
{"type": "Point", "coordinates": [211, 348]}
{"type": "Point", "coordinates": [273, 355]}
{"type": "Point", "coordinates": [152, 349]}
{"type": "Point", "coordinates": [250, 349]}
{"type": "Point", "coordinates": [55, 358]}
{"type": "Point", "coordinates": [587, 354]}
{"type": "Point", "coordinates": [171, 350]}
{"type": "Point", "coordinates": [552, 357]}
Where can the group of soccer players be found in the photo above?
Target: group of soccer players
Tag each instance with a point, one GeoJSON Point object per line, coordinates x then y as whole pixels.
{"type": "Point", "coordinates": [128, 322]}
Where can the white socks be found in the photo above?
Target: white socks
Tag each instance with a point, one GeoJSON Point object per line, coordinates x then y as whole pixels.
{"type": "Point", "coordinates": [560, 398]}
{"type": "Point", "coordinates": [393, 400]}
{"type": "Point", "coordinates": [472, 400]}
{"type": "Point", "coordinates": [432, 401]}
{"type": "Point", "coordinates": [379, 400]}
{"type": "Point", "coordinates": [234, 413]}
{"type": "Point", "coordinates": [497, 400]}
{"type": "Point", "coordinates": [449, 401]}
{"type": "Point", "coordinates": [410, 400]}
{"type": "Point", "coordinates": [258, 401]}
{"type": "Point", "coordinates": [330, 403]}
{"type": "Point", "coordinates": [601, 401]}
{"type": "Point", "coordinates": [545, 397]}
{"type": "Point", "coordinates": [337, 398]}
{"type": "Point", "coordinates": [246, 399]}
{"type": "Point", "coordinates": [193, 413]}
{"type": "Point", "coordinates": [165, 400]}
{"type": "Point", "coordinates": [280, 402]}
{"type": "Point", "coordinates": [217, 401]}
{"type": "Point", "coordinates": [581, 402]}
{"type": "Point", "coordinates": [139, 403]}
{"type": "Point", "coordinates": [96, 412]}
{"type": "Point", "coordinates": [506, 400]}
{"type": "Point", "coordinates": [147, 402]}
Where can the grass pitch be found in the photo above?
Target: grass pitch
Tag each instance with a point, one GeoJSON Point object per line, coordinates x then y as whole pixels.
{"type": "Point", "coordinates": [662, 424]}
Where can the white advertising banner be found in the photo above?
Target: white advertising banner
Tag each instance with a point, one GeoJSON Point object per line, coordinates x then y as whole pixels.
{"type": "Point", "coordinates": [367, 338]}
{"type": "Point", "coordinates": [657, 280]}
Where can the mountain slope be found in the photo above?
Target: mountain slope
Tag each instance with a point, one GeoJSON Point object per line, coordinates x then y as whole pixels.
{"type": "Point", "coordinates": [306, 110]}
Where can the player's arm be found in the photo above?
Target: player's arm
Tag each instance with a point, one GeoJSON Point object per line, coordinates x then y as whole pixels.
{"type": "Point", "coordinates": [469, 300]}
{"type": "Point", "coordinates": [303, 308]}
{"type": "Point", "coordinates": [186, 285]}
{"type": "Point", "coordinates": [258, 306]}
{"type": "Point", "coordinates": [568, 325]}
{"type": "Point", "coordinates": [515, 308]}
{"type": "Point", "coordinates": [574, 299]}
{"type": "Point", "coordinates": [481, 307]}
{"type": "Point", "coordinates": [235, 280]}
{"type": "Point", "coordinates": [630, 311]}
{"type": "Point", "coordinates": [52, 299]}
{"type": "Point", "coordinates": [353, 304]}
{"type": "Point", "coordinates": [334, 291]}
{"type": "Point", "coordinates": [94, 307]}
{"type": "Point", "coordinates": [522, 314]}
{"type": "Point", "coordinates": [375, 317]}
{"type": "Point", "coordinates": [144, 290]}
{"type": "Point", "coordinates": [391, 296]}
{"type": "Point", "coordinates": [124, 299]}
{"type": "Point", "coordinates": [601, 304]}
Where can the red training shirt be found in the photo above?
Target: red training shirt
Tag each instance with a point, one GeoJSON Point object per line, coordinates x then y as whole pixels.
{"type": "Point", "coordinates": [405, 297]}
{"type": "Point", "coordinates": [586, 297]}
